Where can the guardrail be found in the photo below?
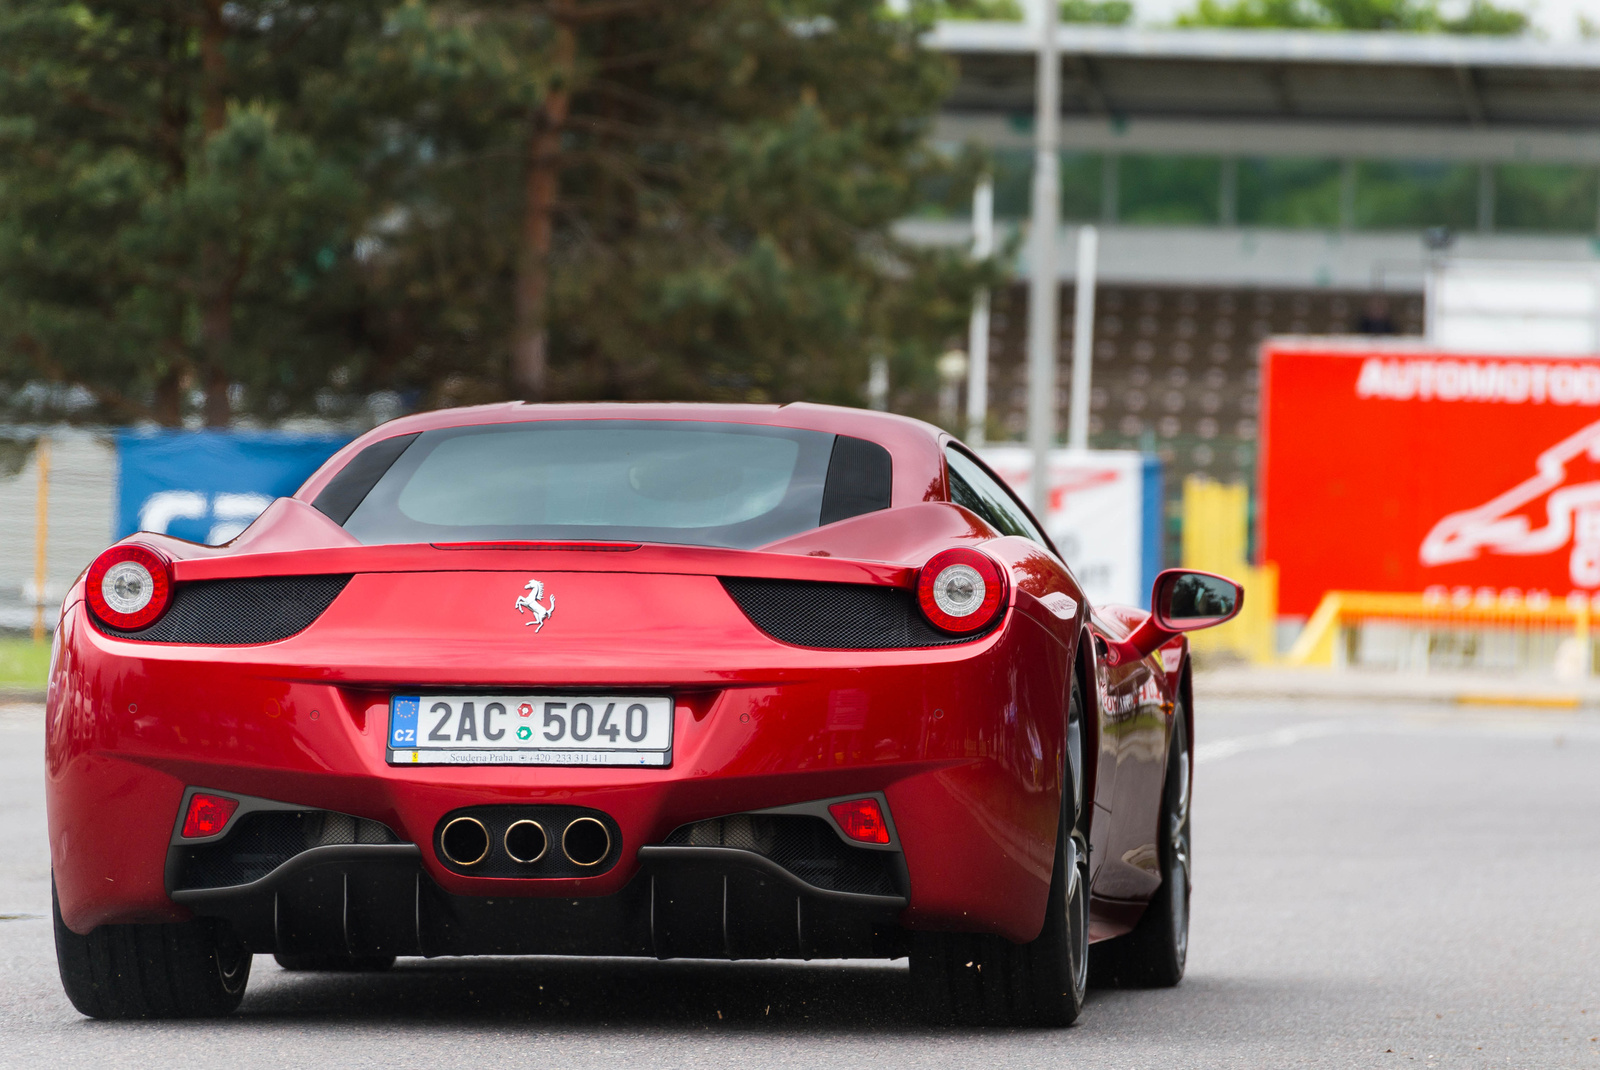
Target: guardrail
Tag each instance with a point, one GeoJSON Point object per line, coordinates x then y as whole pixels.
{"type": "Point", "coordinates": [1437, 629]}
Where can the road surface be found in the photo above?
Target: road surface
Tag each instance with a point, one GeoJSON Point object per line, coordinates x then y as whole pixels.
{"type": "Point", "coordinates": [1376, 885]}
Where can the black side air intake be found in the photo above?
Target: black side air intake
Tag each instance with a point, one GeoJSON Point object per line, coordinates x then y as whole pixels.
{"type": "Point", "coordinates": [263, 841]}
{"type": "Point", "coordinates": [237, 612]}
{"type": "Point", "coordinates": [837, 616]}
{"type": "Point", "coordinates": [805, 846]}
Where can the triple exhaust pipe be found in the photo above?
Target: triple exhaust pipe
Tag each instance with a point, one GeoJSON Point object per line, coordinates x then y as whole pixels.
{"type": "Point", "coordinates": [465, 841]}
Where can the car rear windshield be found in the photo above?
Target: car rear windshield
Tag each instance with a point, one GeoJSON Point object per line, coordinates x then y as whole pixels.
{"type": "Point", "coordinates": [673, 481]}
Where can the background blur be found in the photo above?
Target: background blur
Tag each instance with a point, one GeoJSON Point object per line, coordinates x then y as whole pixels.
{"type": "Point", "coordinates": [1346, 297]}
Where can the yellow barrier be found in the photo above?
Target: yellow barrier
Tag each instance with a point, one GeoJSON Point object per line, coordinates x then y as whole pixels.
{"type": "Point", "coordinates": [1339, 609]}
{"type": "Point", "coordinates": [1216, 532]}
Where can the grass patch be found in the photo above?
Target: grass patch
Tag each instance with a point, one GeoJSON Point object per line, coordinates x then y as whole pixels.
{"type": "Point", "coordinates": [24, 664]}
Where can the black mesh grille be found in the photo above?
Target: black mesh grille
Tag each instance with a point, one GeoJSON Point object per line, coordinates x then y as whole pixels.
{"type": "Point", "coordinates": [263, 841]}
{"type": "Point", "coordinates": [839, 616]}
{"type": "Point", "coordinates": [805, 846]}
{"type": "Point", "coordinates": [235, 612]}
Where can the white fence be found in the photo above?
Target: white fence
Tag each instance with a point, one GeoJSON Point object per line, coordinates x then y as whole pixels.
{"type": "Point", "coordinates": [79, 488]}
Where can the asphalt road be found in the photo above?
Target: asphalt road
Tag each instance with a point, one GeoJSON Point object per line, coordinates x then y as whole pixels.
{"type": "Point", "coordinates": [1375, 886]}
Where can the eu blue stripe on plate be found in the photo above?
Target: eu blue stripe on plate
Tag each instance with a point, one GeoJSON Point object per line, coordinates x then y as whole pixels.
{"type": "Point", "coordinates": [403, 710]}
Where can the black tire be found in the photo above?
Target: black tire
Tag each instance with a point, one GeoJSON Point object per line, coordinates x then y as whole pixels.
{"type": "Point", "coordinates": [192, 969]}
{"type": "Point", "coordinates": [981, 979]}
{"type": "Point", "coordinates": [1154, 953]}
{"type": "Point", "coordinates": [335, 963]}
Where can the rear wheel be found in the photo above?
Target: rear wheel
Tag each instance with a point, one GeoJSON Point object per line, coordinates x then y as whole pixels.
{"type": "Point", "coordinates": [321, 962]}
{"type": "Point", "coordinates": [192, 969]}
{"type": "Point", "coordinates": [978, 978]}
{"type": "Point", "coordinates": [1154, 953]}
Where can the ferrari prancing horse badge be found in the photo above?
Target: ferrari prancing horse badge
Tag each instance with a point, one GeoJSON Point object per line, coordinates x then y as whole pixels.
{"type": "Point", "coordinates": [530, 603]}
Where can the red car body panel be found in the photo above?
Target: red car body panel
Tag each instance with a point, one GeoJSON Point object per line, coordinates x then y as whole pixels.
{"type": "Point", "coordinates": [964, 741]}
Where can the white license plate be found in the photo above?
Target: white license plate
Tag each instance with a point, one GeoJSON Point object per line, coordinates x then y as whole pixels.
{"type": "Point", "coordinates": [530, 730]}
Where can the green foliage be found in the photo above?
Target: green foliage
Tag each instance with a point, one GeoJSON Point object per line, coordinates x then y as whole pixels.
{"type": "Point", "coordinates": [1549, 197]}
{"type": "Point", "coordinates": [1012, 170]}
{"type": "Point", "coordinates": [1105, 12]}
{"type": "Point", "coordinates": [341, 197]}
{"type": "Point", "coordinates": [1485, 18]}
{"type": "Point", "coordinates": [1169, 189]}
{"type": "Point", "coordinates": [986, 10]}
{"type": "Point", "coordinates": [1082, 182]}
{"type": "Point", "coordinates": [1417, 16]}
{"type": "Point", "coordinates": [1289, 192]}
{"type": "Point", "coordinates": [1396, 195]}
{"type": "Point", "coordinates": [1253, 14]}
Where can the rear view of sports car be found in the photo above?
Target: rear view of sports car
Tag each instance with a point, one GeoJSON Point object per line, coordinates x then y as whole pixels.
{"type": "Point", "coordinates": [656, 680]}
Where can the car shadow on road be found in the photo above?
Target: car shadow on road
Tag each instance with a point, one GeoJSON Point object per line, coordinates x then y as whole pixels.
{"type": "Point", "coordinates": [556, 992]}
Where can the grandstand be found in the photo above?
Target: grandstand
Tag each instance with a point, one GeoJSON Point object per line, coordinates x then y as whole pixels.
{"type": "Point", "coordinates": [1249, 183]}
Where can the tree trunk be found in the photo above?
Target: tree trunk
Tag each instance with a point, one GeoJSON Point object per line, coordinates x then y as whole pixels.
{"type": "Point", "coordinates": [168, 409]}
{"type": "Point", "coordinates": [216, 313]}
{"type": "Point", "coordinates": [530, 334]}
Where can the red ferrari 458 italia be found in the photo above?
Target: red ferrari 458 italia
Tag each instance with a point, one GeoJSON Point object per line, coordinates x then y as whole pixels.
{"type": "Point", "coordinates": [671, 680]}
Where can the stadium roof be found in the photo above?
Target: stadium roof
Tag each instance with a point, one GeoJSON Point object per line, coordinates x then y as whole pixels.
{"type": "Point", "coordinates": [1474, 83]}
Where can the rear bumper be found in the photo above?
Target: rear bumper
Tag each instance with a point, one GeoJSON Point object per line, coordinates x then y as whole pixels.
{"type": "Point", "coordinates": [971, 780]}
{"type": "Point", "coordinates": [681, 903]}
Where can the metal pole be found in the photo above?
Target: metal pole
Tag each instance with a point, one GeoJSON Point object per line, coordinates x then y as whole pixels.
{"type": "Point", "coordinates": [41, 536]}
{"type": "Point", "coordinates": [878, 383]}
{"type": "Point", "coordinates": [1082, 339]}
{"type": "Point", "coordinates": [1043, 327]}
{"type": "Point", "coordinates": [978, 326]}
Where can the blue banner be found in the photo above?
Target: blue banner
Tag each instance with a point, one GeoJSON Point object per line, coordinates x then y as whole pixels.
{"type": "Point", "coordinates": [207, 486]}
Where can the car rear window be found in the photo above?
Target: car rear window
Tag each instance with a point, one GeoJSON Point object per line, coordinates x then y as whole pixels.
{"type": "Point", "coordinates": [673, 481]}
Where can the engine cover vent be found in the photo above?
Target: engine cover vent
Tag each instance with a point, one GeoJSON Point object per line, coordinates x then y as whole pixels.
{"type": "Point", "coordinates": [238, 612]}
{"type": "Point", "coordinates": [838, 616]}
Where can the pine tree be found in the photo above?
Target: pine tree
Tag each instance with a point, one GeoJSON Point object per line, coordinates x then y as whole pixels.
{"type": "Point", "coordinates": [467, 201]}
{"type": "Point", "coordinates": [690, 199]}
{"type": "Point", "coordinates": [166, 222]}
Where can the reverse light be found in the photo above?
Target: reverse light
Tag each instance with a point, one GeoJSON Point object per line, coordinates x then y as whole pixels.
{"type": "Point", "coordinates": [961, 590]}
{"type": "Point", "coordinates": [208, 814]}
{"type": "Point", "coordinates": [860, 819]}
{"type": "Point", "coordinates": [129, 586]}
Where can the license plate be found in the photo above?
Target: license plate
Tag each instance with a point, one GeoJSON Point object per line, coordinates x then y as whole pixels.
{"type": "Point", "coordinates": [530, 730]}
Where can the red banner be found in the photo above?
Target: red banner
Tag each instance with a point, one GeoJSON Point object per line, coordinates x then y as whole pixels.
{"type": "Point", "coordinates": [1404, 469]}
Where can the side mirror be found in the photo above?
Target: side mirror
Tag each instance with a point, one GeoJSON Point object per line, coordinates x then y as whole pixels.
{"type": "Point", "coordinates": [1182, 600]}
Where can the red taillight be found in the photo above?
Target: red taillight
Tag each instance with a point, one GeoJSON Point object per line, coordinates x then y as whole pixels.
{"type": "Point", "coordinates": [129, 586]}
{"type": "Point", "coordinates": [961, 590]}
{"type": "Point", "coordinates": [208, 814]}
{"type": "Point", "coordinates": [861, 820]}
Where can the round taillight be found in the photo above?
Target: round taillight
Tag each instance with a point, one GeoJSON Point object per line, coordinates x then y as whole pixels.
{"type": "Point", "coordinates": [129, 586]}
{"type": "Point", "coordinates": [961, 590]}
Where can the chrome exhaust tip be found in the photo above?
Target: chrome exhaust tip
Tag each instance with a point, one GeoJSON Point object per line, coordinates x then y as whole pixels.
{"type": "Point", "coordinates": [526, 842]}
{"type": "Point", "coordinates": [464, 841]}
{"type": "Point", "coordinates": [586, 842]}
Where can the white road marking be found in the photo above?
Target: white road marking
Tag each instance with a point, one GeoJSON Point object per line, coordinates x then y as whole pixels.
{"type": "Point", "coordinates": [1537, 728]}
{"type": "Point", "coordinates": [1282, 737]}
